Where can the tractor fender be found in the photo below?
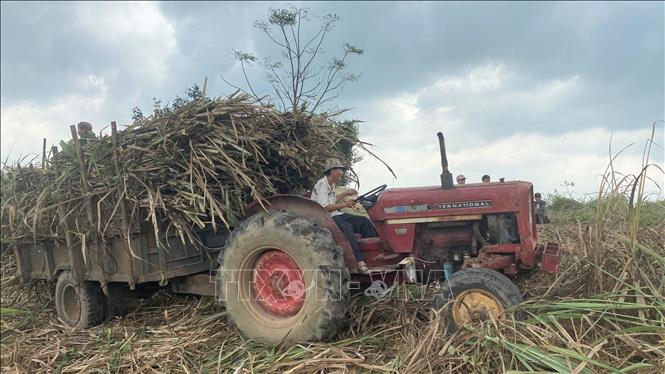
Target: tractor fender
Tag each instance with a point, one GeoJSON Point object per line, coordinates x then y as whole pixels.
{"type": "Point", "coordinates": [311, 210]}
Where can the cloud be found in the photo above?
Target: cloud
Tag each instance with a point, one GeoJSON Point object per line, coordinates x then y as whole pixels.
{"type": "Point", "coordinates": [404, 127]}
{"type": "Point", "coordinates": [495, 99]}
{"type": "Point", "coordinates": [486, 78]}
{"type": "Point", "coordinates": [562, 76]}
{"type": "Point", "coordinates": [547, 161]}
{"type": "Point", "coordinates": [85, 61]}
{"type": "Point", "coordinates": [45, 46]}
{"type": "Point", "coordinates": [24, 125]}
{"type": "Point", "coordinates": [142, 36]}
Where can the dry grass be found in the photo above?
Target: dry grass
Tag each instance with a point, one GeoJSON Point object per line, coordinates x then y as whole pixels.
{"type": "Point", "coordinates": [573, 327]}
{"type": "Point", "coordinates": [604, 312]}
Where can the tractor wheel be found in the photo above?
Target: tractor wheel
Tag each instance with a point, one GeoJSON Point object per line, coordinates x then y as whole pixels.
{"type": "Point", "coordinates": [474, 295]}
{"type": "Point", "coordinates": [283, 279]}
{"type": "Point", "coordinates": [79, 306]}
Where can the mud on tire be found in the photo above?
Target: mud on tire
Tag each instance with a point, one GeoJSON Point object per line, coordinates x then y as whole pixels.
{"type": "Point", "coordinates": [487, 285]}
{"type": "Point", "coordinates": [326, 292]}
{"type": "Point", "coordinates": [79, 306]}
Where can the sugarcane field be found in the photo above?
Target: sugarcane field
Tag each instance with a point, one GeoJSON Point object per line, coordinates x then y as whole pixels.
{"type": "Point", "coordinates": [331, 187]}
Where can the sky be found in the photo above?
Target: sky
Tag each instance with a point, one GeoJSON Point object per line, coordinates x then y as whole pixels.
{"type": "Point", "coordinates": [543, 92]}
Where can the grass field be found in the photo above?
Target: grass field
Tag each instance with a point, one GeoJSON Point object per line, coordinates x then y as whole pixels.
{"type": "Point", "coordinates": [603, 312]}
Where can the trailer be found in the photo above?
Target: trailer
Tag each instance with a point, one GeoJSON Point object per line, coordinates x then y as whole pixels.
{"type": "Point", "coordinates": [93, 278]}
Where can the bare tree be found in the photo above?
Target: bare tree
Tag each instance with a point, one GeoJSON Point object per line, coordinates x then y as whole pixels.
{"type": "Point", "coordinates": [300, 81]}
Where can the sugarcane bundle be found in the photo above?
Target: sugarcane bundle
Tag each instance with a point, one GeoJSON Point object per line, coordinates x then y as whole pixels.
{"type": "Point", "coordinates": [196, 167]}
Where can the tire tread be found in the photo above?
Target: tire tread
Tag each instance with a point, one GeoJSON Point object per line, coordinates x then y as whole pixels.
{"type": "Point", "coordinates": [328, 257]}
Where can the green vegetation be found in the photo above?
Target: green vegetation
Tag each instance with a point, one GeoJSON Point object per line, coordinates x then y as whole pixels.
{"type": "Point", "coordinates": [564, 210]}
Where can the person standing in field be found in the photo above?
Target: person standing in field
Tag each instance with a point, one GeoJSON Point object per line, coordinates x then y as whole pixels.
{"type": "Point", "coordinates": [541, 217]}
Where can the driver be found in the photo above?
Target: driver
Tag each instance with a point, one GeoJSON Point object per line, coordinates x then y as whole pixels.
{"type": "Point", "coordinates": [324, 194]}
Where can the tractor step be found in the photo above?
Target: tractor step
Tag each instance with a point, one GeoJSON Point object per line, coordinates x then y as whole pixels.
{"type": "Point", "coordinates": [384, 268]}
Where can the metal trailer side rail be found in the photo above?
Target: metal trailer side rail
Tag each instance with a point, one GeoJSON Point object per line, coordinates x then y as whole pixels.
{"type": "Point", "coordinates": [179, 260]}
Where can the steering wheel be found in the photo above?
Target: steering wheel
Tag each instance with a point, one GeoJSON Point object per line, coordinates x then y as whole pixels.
{"type": "Point", "coordinates": [372, 195]}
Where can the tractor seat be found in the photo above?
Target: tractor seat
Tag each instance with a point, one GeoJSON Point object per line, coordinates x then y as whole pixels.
{"type": "Point", "coordinates": [369, 244]}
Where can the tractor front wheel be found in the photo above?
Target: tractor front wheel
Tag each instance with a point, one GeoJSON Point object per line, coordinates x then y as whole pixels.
{"type": "Point", "coordinates": [283, 278]}
{"type": "Point", "coordinates": [475, 295]}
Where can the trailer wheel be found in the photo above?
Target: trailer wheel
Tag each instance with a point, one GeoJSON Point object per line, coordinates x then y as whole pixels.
{"type": "Point", "coordinates": [283, 279]}
{"type": "Point", "coordinates": [79, 306]}
{"type": "Point", "coordinates": [474, 295]}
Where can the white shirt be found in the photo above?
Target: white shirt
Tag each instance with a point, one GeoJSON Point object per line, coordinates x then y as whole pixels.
{"type": "Point", "coordinates": [323, 194]}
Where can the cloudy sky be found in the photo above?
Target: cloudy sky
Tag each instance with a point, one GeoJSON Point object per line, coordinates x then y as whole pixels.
{"type": "Point", "coordinates": [528, 91]}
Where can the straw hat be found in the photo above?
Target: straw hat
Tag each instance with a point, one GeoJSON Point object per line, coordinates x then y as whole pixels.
{"type": "Point", "coordinates": [333, 163]}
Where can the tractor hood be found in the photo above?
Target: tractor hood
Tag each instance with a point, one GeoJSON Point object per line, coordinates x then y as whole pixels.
{"type": "Point", "coordinates": [468, 199]}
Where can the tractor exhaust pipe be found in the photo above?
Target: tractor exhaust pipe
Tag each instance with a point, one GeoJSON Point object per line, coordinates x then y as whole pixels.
{"type": "Point", "coordinates": [446, 177]}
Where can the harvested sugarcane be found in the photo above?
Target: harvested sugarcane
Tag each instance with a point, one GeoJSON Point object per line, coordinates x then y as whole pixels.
{"type": "Point", "coordinates": [196, 167]}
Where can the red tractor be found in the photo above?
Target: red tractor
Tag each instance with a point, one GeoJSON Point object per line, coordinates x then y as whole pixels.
{"type": "Point", "coordinates": [287, 269]}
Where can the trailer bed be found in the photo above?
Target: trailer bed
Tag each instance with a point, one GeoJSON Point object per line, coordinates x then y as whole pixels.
{"type": "Point", "coordinates": [136, 262]}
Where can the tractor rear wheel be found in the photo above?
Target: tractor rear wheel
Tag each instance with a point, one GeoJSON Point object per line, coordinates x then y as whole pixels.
{"type": "Point", "coordinates": [78, 305]}
{"type": "Point", "coordinates": [474, 295]}
{"type": "Point", "coordinates": [283, 278]}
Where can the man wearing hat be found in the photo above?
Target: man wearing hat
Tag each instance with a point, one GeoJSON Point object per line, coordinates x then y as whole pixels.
{"type": "Point", "coordinates": [461, 179]}
{"type": "Point", "coordinates": [324, 194]}
{"type": "Point", "coordinates": [85, 133]}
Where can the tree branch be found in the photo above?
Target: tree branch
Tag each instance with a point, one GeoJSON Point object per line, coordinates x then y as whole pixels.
{"type": "Point", "coordinates": [293, 98]}
{"type": "Point", "coordinates": [275, 41]}
{"type": "Point", "coordinates": [272, 68]}
{"type": "Point", "coordinates": [300, 82]}
{"type": "Point", "coordinates": [249, 84]}
{"type": "Point", "coordinates": [334, 69]}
